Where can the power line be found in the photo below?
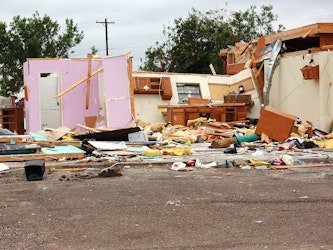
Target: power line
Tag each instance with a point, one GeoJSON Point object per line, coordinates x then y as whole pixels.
{"type": "Point", "coordinates": [106, 23]}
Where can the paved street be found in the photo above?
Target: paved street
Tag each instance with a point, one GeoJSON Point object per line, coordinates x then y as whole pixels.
{"type": "Point", "coordinates": [157, 208]}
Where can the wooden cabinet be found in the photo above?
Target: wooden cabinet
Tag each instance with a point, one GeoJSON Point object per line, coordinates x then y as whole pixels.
{"type": "Point", "coordinates": [230, 114]}
{"type": "Point", "coordinates": [13, 119]}
{"type": "Point", "coordinates": [241, 113]}
{"type": "Point", "coordinates": [167, 89]}
{"type": "Point", "coordinates": [179, 115]}
{"type": "Point", "coordinates": [191, 116]}
{"type": "Point", "coordinates": [153, 85]}
{"type": "Point", "coordinates": [218, 114]}
{"type": "Point", "coordinates": [142, 84]}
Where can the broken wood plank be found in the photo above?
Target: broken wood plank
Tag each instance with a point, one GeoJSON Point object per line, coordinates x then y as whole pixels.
{"type": "Point", "coordinates": [48, 143]}
{"type": "Point", "coordinates": [59, 130]}
{"type": "Point", "coordinates": [219, 132]}
{"type": "Point", "coordinates": [119, 153]}
{"type": "Point", "coordinates": [100, 129]}
{"type": "Point", "coordinates": [127, 52]}
{"type": "Point", "coordinates": [132, 85]}
{"type": "Point", "coordinates": [219, 125]}
{"type": "Point", "coordinates": [78, 83]}
{"type": "Point", "coordinates": [212, 69]}
{"type": "Point", "coordinates": [327, 47]}
{"type": "Point", "coordinates": [88, 80]}
{"type": "Point", "coordinates": [315, 29]}
{"type": "Point", "coordinates": [47, 154]}
{"type": "Point", "coordinates": [87, 128]}
{"type": "Point", "coordinates": [91, 121]}
{"type": "Point", "coordinates": [67, 169]}
{"type": "Point", "coordinates": [306, 34]}
{"type": "Point", "coordinates": [16, 139]}
{"type": "Point", "coordinates": [55, 134]}
{"type": "Point", "coordinates": [20, 158]}
{"type": "Point", "coordinates": [304, 165]}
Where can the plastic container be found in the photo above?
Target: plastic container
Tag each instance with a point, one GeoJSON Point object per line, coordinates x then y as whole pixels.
{"type": "Point", "coordinates": [34, 170]}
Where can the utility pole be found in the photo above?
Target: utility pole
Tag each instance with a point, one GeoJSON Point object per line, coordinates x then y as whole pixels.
{"type": "Point", "coordinates": [106, 23]}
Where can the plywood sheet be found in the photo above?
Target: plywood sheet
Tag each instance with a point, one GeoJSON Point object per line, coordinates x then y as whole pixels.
{"type": "Point", "coordinates": [48, 154]}
{"type": "Point", "coordinates": [217, 91]}
{"type": "Point", "coordinates": [91, 121]}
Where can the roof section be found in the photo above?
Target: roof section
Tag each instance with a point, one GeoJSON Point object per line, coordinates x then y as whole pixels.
{"type": "Point", "coordinates": [319, 35]}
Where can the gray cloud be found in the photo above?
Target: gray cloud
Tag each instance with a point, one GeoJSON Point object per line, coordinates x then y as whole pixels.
{"type": "Point", "coordinates": [139, 24]}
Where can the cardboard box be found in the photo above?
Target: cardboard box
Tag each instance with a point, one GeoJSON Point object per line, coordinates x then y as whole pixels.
{"type": "Point", "coordinates": [277, 125]}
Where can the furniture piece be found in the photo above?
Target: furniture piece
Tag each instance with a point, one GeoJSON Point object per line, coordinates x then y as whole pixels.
{"type": "Point", "coordinates": [12, 118]}
{"type": "Point", "coordinates": [241, 98]}
{"type": "Point", "coordinates": [153, 85]}
{"type": "Point", "coordinates": [227, 112]}
{"type": "Point", "coordinates": [195, 101]}
{"type": "Point", "coordinates": [276, 124]}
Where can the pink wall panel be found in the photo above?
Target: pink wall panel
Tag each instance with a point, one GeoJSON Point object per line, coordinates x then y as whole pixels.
{"type": "Point", "coordinates": [116, 86]}
{"type": "Point", "coordinates": [73, 102]}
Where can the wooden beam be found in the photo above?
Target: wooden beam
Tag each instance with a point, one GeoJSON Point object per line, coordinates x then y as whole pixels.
{"type": "Point", "coordinates": [212, 69]}
{"type": "Point", "coordinates": [78, 83]}
{"type": "Point", "coordinates": [313, 29]}
{"type": "Point", "coordinates": [327, 47]}
{"type": "Point", "coordinates": [88, 80]}
{"type": "Point", "coordinates": [26, 96]}
{"type": "Point", "coordinates": [87, 128]}
{"type": "Point", "coordinates": [126, 53]}
{"type": "Point", "coordinates": [48, 157]}
{"type": "Point", "coordinates": [51, 170]}
{"type": "Point", "coordinates": [306, 34]}
{"type": "Point", "coordinates": [258, 75]}
{"type": "Point", "coordinates": [59, 130]}
{"type": "Point", "coordinates": [52, 143]}
{"type": "Point", "coordinates": [131, 80]}
{"type": "Point", "coordinates": [304, 165]}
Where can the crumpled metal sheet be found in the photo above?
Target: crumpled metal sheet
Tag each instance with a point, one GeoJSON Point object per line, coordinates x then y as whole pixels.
{"type": "Point", "coordinates": [271, 54]}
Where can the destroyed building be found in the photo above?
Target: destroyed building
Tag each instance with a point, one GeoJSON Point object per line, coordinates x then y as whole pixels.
{"type": "Point", "coordinates": [287, 72]}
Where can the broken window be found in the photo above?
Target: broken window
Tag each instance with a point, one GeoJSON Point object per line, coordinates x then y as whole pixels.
{"type": "Point", "coordinates": [186, 90]}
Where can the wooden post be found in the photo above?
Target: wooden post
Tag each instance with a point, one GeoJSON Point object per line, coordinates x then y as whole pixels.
{"type": "Point", "coordinates": [130, 76]}
{"type": "Point", "coordinates": [88, 80]}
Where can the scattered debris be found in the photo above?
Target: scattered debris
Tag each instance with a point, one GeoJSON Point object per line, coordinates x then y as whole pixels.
{"type": "Point", "coordinates": [3, 168]}
{"type": "Point", "coordinates": [113, 171]}
{"type": "Point", "coordinates": [265, 142]}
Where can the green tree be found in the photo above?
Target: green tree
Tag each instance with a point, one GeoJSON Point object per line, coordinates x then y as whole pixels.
{"type": "Point", "coordinates": [94, 50]}
{"type": "Point", "coordinates": [35, 37]}
{"type": "Point", "coordinates": [249, 24]}
{"type": "Point", "coordinates": [194, 42]}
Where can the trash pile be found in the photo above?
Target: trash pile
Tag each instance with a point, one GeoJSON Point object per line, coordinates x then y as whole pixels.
{"type": "Point", "coordinates": [268, 142]}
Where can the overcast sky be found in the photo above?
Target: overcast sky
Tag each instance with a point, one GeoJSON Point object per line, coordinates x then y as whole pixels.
{"type": "Point", "coordinates": [139, 24]}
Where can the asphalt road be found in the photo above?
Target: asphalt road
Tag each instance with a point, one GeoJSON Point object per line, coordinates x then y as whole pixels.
{"type": "Point", "coordinates": [158, 208]}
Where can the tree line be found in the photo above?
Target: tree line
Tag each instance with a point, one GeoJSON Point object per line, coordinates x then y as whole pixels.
{"type": "Point", "coordinates": [191, 43]}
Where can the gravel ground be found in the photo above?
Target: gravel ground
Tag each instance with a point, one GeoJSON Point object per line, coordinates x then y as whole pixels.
{"type": "Point", "coordinates": [149, 206]}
